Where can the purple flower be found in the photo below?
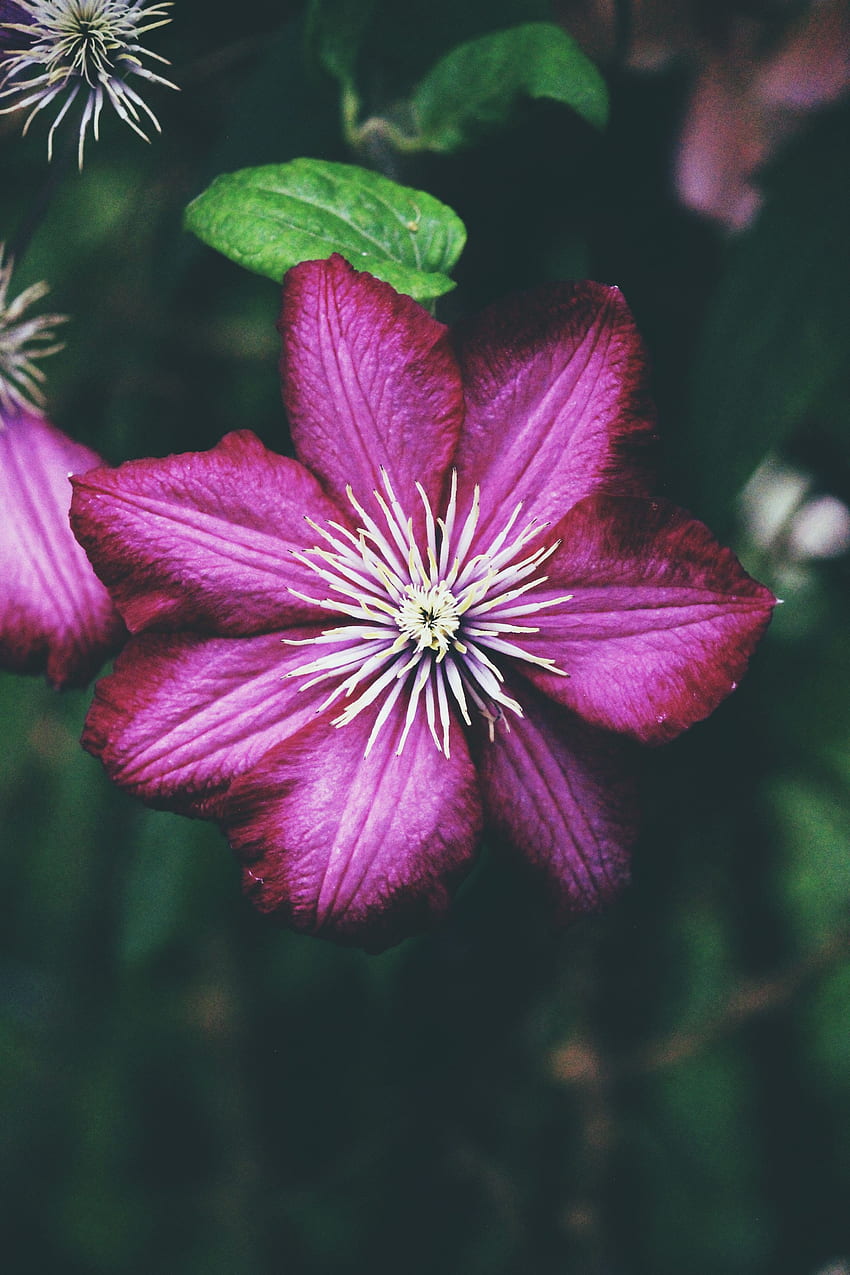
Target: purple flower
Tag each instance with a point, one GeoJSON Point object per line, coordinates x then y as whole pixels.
{"type": "Point", "coordinates": [445, 612]}
{"type": "Point", "coordinates": [55, 615]}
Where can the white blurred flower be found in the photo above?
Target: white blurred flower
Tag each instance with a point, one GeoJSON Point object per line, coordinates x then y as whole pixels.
{"type": "Point", "coordinates": [783, 517]}
{"type": "Point", "coordinates": [821, 529]}
{"type": "Point", "coordinates": [770, 499]}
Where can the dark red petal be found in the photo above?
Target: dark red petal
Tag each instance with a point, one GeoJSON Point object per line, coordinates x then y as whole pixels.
{"type": "Point", "coordinates": [55, 615]}
{"type": "Point", "coordinates": [562, 795]}
{"type": "Point", "coordinates": [556, 401]}
{"type": "Point", "coordinates": [362, 850]}
{"type": "Point", "coordinates": [182, 715]}
{"type": "Point", "coordinates": [369, 381]}
{"type": "Point", "coordinates": [661, 624]}
{"type": "Point", "coordinates": [204, 540]}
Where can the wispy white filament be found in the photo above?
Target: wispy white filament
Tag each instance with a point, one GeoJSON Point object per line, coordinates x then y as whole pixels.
{"type": "Point", "coordinates": [87, 49]}
{"type": "Point", "coordinates": [424, 622]}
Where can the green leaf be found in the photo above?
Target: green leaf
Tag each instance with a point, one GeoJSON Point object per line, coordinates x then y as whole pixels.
{"type": "Point", "coordinates": [477, 85]}
{"type": "Point", "coordinates": [270, 218]}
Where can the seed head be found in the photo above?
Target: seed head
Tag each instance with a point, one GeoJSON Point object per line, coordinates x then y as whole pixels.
{"type": "Point", "coordinates": [22, 341]}
{"type": "Point", "coordinates": [87, 49]}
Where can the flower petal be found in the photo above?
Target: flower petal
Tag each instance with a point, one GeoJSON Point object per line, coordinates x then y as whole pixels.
{"type": "Point", "coordinates": [556, 401]}
{"type": "Point", "coordinates": [204, 540]}
{"type": "Point", "coordinates": [362, 850]}
{"type": "Point", "coordinates": [662, 620]}
{"type": "Point", "coordinates": [183, 715]}
{"type": "Point", "coordinates": [561, 793]}
{"type": "Point", "coordinates": [369, 381]}
{"type": "Point", "coordinates": [55, 615]}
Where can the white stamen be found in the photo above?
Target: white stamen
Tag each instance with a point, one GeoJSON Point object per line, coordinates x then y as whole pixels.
{"type": "Point", "coordinates": [418, 630]}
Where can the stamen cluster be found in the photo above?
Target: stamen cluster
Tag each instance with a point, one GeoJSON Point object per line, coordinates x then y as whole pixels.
{"type": "Point", "coordinates": [22, 341]}
{"type": "Point", "coordinates": [88, 47]}
{"type": "Point", "coordinates": [424, 626]}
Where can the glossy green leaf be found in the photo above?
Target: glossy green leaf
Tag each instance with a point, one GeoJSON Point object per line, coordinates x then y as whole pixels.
{"type": "Point", "coordinates": [270, 218]}
{"type": "Point", "coordinates": [477, 85]}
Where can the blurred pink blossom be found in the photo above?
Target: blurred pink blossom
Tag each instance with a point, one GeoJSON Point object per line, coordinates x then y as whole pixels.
{"type": "Point", "coordinates": [755, 79]}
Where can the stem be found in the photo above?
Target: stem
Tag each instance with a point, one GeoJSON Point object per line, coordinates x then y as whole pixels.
{"type": "Point", "coordinates": [377, 128]}
{"type": "Point", "coordinates": [572, 1064]}
{"type": "Point", "coordinates": [350, 110]}
{"type": "Point", "coordinates": [376, 131]}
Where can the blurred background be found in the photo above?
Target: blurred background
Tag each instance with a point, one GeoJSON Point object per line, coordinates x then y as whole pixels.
{"type": "Point", "coordinates": [663, 1088]}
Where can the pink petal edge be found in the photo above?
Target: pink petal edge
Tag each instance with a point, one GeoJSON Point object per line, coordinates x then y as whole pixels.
{"type": "Point", "coordinates": [661, 624]}
{"type": "Point", "coordinates": [205, 540]}
{"type": "Point", "coordinates": [182, 716]}
{"type": "Point", "coordinates": [362, 850]}
{"type": "Point", "coordinates": [556, 401]}
{"type": "Point", "coordinates": [369, 383]}
{"type": "Point", "coordinates": [55, 615]}
{"type": "Point", "coordinates": [562, 795]}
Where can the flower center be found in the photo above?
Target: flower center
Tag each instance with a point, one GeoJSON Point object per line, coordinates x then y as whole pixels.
{"type": "Point", "coordinates": [427, 626]}
{"type": "Point", "coordinates": [86, 46]}
{"type": "Point", "coordinates": [429, 617]}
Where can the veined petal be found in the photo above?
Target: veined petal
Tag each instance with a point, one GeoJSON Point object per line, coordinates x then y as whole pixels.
{"type": "Point", "coordinates": [562, 795]}
{"type": "Point", "coordinates": [661, 623]}
{"type": "Point", "coordinates": [556, 401]}
{"type": "Point", "coordinates": [205, 540]}
{"type": "Point", "coordinates": [182, 716]}
{"type": "Point", "coordinates": [55, 615]}
{"type": "Point", "coordinates": [362, 850]}
{"type": "Point", "coordinates": [369, 381]}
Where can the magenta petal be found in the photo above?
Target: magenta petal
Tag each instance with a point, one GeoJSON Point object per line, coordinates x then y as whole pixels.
{"type": "Point", "coordinates": [183, 715]}
{"type": "Point", "coordinates": [661, 624]}
{"type": "Point", "coordinates": [55, 615]}
{"type": "Point", "coordinates": [204, 540]}
{"type": "Point", "coordinates": [369, 381]}
{"type": "Point", "coordinates": [562, 794]}
{"type": "Point", "coordinates": [556, 400]}
{"type": "Point", "coordinates": [359, 849]}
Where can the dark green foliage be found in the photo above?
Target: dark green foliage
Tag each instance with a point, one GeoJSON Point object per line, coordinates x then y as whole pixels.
{"type": "Point", "coordinates": [475, 87]}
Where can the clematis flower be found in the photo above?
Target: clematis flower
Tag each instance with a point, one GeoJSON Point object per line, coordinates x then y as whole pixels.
{"type": "Point", "coordinates": [55, 615]}
{"type": "Point", "coordinates": [56, 51]}
{"type": "Point", "coordinates": [452, 609]}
